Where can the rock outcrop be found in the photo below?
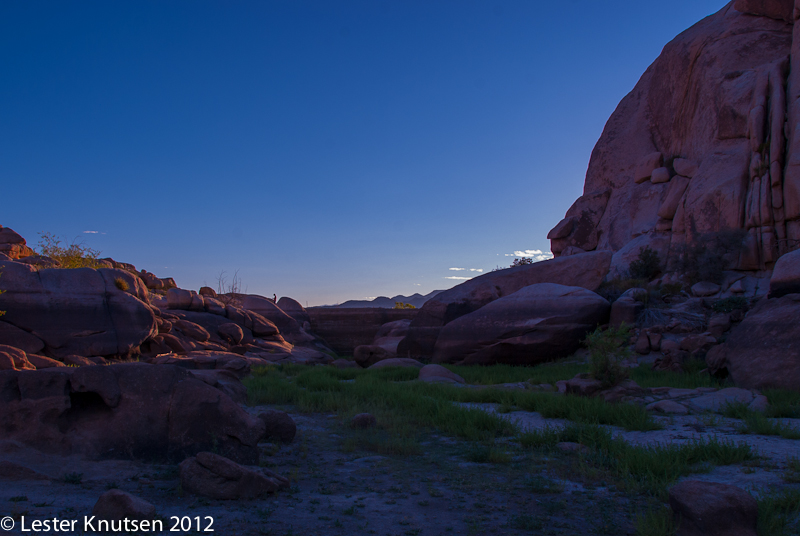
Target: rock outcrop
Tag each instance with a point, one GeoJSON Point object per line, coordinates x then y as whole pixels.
{"type": "Point", "coordinates": [345, 329]}
{"type": "Point", "coordinates": [764, 350]}
{"type": "Point", "coordinates": [709, 508]}
{"type": "Point", "coordinates": [133, 410]}
{"type": "Point", "coordinates": [76, 312]}
{"type": "Point", "coordinates": [535, 324]}
{"type": "Point", "coordinates": [214, 476]}
{"type": "Point", "coordinates": [698, 148]}
{"type": "Point", "coordinates": [13, 245]}
{"type": "Point", "coordinates": [117, 504]}
{"type": "Point", "coordinates": [585, 270]}
{"type": "Point", "coordinates": [786, 276]}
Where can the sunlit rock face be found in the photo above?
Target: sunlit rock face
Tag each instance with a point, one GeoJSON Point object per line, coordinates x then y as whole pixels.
{"type": "Point", "coordinates": [700, 145]}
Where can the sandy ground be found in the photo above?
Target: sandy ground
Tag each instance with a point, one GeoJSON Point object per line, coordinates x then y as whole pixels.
{"type": "Point", "coordinates": [336, 490]}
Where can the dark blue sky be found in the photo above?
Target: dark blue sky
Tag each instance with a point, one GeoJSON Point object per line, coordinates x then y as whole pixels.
{"type": "Point", "coordinates": [326, 150]}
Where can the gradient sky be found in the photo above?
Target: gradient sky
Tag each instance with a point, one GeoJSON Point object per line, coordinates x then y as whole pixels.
{"type": "Point", "coordinates": [327, 150]}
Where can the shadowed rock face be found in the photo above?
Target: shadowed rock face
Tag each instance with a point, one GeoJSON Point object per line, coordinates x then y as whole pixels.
{"type": "Point", "coordinates": [536, 324]}
{"type": "Point", "coordinates": [708, 115]}
{"type": "Point", "coordinates": [131, 410]}
{"type": "Point", "coordinates": [79, 311]}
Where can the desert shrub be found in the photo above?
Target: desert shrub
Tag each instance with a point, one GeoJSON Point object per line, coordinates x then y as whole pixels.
{"type": "Point", "coordinates": [521, 262]}
{"type": "Point", "coordinates": [710, 255]}
{"type": "Point", "coordinates": [646, 266]}
{"type": "Point", "coordinates": [607, 350]}
{"type": "Point", "coordinates": [726, 305]}
{"type": "Point", "coordinates": [75, 255]}
{"type": "Point", "coordinates": [401, 305]}
{"type": "Point", "coordinates": [121, 284]}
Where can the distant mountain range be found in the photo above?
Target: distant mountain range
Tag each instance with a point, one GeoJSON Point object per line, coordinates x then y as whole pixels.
{"type": "Point", "coordinates": [388, 303]}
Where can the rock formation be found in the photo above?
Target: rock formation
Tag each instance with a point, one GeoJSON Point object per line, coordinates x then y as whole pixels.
{"type": "Point", "coordinates": [584, 270]}
{"type": "Point", "coordinates": [535, 324]}
{"type": "Point", "coordinates": [699, 146]}
{"type": "Point", "coordinates": [133, 410]}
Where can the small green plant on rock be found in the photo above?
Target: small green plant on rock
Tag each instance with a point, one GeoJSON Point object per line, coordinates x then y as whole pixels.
{"type": "Point", "coordinates": [401, 305]}
{"type": "Point", "coordinates": [524, 261]}
{"type": "Point", "coordinates": [646, 266]}
{"type": "Point", "coordinates": [121, 284]}
{"type": "Point", "coordinates": [608, 349]}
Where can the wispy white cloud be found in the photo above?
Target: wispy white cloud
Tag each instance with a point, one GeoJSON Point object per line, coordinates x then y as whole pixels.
{"type": "Point", "coordinates": [370, 298]}
{"type": "Point", "coordinates": [535, 254]}
{"type": "Point", "coordinates": [458, 278]}
{"type": "Point", "coordinates": [479, 270]}
{"type": "Point", "coordinates": [91, 232]}
{"type": "Point", "coordinates": [458, 269]}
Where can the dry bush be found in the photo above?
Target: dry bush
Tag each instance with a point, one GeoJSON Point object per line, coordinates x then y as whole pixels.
{"type": "Point", "coordinates": [230, 293]}
{"type": "Point", "coordinates": [75, 255]}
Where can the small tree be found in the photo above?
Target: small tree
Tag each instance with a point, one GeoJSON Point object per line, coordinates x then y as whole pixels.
{"type": "Point", "coordinates": [401, 305]}
{"type": "Point", "coordinates": [521, 262]}
{"type": "Point", "coordinates": [607, 350]}
{"type": "Point", "coordinates": [646, 266]}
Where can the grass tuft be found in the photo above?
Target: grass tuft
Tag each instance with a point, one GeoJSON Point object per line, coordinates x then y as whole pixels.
{"type": "Point", "coordinates": [656, 521]}
{"type": "Point", "coordinates": [649, 468]}
{"type": "Point", "coordinates": [777, 512]}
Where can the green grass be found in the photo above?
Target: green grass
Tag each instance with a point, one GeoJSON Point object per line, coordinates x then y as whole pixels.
{"type": "Point", "coordinates": [648, 469]}
{"type": "Point", "coordinates": [398, 408]}
{"type": "Point", "coordinates": [691, 379]}
{"type": "Point", "coordinates": [776, 512]}
{"type": "Point", "coordinates": [552, 406]}
{"type": "Point", "coordinates": [754, 422]}
{"type": "Point", "coordinates": [783, 403]}
{"type": "Point", "coordinates": [656, 521]}
{"type": "Point", "coordinates": [792, 472]}
{"type": "Point", "coordinates": [405, 406]}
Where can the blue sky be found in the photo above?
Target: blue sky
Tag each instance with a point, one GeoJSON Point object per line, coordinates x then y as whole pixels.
{"type": "Point", "coordinates": [325, 150]}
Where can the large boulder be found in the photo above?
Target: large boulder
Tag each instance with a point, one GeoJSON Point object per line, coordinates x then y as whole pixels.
{"type": "Point", "coordinates": [133, 410]}
{"type": "Point", "coordinates": [713, 509]}
{"type": "Point", "coordinates": [269, 310]}
{"type": "Point", "coordinates": [13, 245]}
{"type": "Point", "coordinates": [214, 476]}
{"type": "Point", "coordinates": [390, 334]}
{"type": "Point", "coordinates": [585, 270]}
{"type": "Point", "coordinates": [698, 148]}
{"type": "Point", "coordinates": [369, 354]}
{"type": "Point", "coordinates": [786, 275]}
{"type": "Point", "coordinates": [118, 505]}
{"type": "Point", "coordinates": [293, 308]}
{"type": "Point", "coordinates": [763, 351]}
{"type": "Point", "coordinates": [538, 323]}
{"type": "Point", "coordinates": [79, 311]}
